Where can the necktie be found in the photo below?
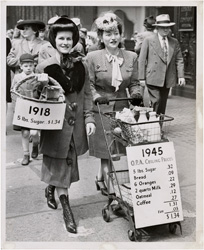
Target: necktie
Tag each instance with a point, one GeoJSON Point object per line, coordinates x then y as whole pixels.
{"type": "Point", "coordinates": [116, 74]}
{"type": "Point", "coordinates": [165, 49]}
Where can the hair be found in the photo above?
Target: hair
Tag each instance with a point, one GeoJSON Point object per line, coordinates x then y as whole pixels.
{"type": "Point", "coordinates": [101, 31]}
{"type": "Point", "coordinates": [148, 23]}
{"type": "Point", "coordinates": [55, 28]}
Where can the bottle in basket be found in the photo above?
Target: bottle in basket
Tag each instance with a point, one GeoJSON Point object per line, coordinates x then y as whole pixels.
{"type": "Point", "coordinates": [143, 127]}
{"type": "Point", "coordinates": [154, 130]}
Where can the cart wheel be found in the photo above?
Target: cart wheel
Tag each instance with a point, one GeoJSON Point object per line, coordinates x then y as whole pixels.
{"type": "Point", "coordinates": [106, 214]}
{"type": "Point", "coordinates": [131, 235]}
{"type": "Point", "coordinates": [172, 228]}
{"type": "Point", "coordinates": [138, 235]}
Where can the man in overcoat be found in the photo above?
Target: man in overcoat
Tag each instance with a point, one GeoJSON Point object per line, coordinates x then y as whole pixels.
{"type": "Point", "coordinates": [161, 64]}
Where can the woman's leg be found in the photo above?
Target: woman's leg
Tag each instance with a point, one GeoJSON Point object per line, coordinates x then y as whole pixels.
{"type": "Point", "coordinates": [67, 212]}
{"type": "Point", "coordinates": [105, 169]}
{"type": "Point", "coordinates": [25, 144]}
{"type": "Point", "coordinates": [35, 139]}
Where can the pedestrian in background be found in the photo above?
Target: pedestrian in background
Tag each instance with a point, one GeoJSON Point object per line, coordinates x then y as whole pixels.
{"type": "Point", "coordinates": [149, 29]}
{"type": "Point", "coordinates": [111, 71]}
{"type": "Point", "coordinates": [47, 50]}
{"type": "Point", "coordinates": [161, 64]}
{"type": "Point", "coordinates": [92, 41]}
{"type": "Point", "coordinates": [60, 148]}
{"type": "Point", "coordinates": [27, 66]}
{"type": "Point", "coordinates": [17, 34]}
{"type": "Point", "coordinates": [139, 38]}
{"type": "Point", "coordinates": [81, 45]}
{"type": "Point", "coordinates": [30, 43]}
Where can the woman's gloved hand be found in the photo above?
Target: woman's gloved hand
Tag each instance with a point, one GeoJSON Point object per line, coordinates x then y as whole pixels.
{"type": "Point", "coordinates": [101, 100]}
{"type": "Point", "coordinates": [137, 100]}
{"type": "Point", "coordinates": [90, 128]}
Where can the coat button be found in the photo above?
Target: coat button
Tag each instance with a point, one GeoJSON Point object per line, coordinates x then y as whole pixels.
{"type": "Point", "coordinates": [73, 106]}
{"type": "Point", "coordinates": [71, 121]}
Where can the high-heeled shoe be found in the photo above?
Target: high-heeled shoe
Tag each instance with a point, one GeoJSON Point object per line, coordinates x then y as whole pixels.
{"type": "Point", "coordinates": [100, 185]}
{"type": "Point", "coordinates": [67, 214]}
{"type": "Point", "coordinates": [50, 195]}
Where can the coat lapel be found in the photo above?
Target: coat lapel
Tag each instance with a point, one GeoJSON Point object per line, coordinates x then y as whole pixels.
{"type": "Point", "coordinates": [157, 47]}
{"type": "Point", "coordinates": [171, 49]}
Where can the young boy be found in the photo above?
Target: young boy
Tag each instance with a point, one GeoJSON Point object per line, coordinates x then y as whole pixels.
{"type": "Point", "coordinates": [27, 66]}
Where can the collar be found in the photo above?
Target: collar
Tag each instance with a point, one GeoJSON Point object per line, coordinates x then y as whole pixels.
{"type": "Point", "coordinates": [161, 40]}
{"type": "Point", "coordinates": [24, 75]}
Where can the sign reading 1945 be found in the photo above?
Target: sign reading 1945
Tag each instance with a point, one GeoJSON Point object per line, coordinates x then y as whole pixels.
{"type": "Point", "coordinates": [154, 184]}
{"type": "Point", "coordinates": [37, 115]}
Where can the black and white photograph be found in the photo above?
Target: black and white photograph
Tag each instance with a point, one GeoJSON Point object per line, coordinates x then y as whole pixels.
{"type": "Point", "coordinates": [102, 125]}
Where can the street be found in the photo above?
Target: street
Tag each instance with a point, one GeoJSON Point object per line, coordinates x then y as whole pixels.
{"type": "Point", "coordinates": [28, 218]}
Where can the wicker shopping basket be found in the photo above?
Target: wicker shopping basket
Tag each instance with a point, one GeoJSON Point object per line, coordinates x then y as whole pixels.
{"type": "Point", "coordinates": [27, 84]}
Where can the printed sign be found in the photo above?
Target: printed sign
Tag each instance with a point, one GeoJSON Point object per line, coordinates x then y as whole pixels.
{"type": "Point", "coordinates": [36, 115]}
{"type": "Point", "coordinates": [154, 184]}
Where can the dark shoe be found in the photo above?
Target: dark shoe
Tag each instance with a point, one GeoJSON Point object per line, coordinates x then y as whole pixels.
{"type": "Point", "coordinates": [100, 185]}
{"type": "Point", "coordinates": [26, 160]}
{"type": "Point", "coordinates": [67, 214]}
{"type": "Point", "coordinates": [50, 195]}
{"type": "Point", "coordinates": [35, 152]}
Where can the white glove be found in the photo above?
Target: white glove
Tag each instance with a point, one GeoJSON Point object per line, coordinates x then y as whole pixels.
{"type": "Point", "coordinates": [90, 128]}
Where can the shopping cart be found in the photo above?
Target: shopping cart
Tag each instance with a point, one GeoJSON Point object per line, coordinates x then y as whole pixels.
{"type": "Point", "coordinates": [129, 135]}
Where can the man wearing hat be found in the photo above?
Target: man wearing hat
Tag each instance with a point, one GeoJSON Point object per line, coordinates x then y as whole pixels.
{"type": "Point", "coordinates": [161, 63]}
{"type": "Point", "coordinates": [30, 43]}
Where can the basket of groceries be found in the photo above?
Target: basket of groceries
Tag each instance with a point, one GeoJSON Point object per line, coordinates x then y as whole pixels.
{"type": "Point", "coordinates": [139, 125]}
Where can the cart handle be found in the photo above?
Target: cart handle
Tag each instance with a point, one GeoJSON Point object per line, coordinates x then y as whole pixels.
{"type": "Point", "coordinates": [120, 99]}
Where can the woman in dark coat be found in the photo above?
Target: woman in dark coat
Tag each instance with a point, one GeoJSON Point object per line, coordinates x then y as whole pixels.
{"type": "Point", "coordinates": [60, 148]}
{"type": "Point", "coordinates": [112, 70]}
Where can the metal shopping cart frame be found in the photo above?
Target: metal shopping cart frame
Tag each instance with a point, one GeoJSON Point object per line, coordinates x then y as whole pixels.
{"type": "Point", "coordinates": [124, 200]}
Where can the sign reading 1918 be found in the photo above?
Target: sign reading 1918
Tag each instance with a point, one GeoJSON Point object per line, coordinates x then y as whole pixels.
{"type": "Point", "coordinates": [36, 115]}
{"type": "Point", "coordinates": [154, 184]}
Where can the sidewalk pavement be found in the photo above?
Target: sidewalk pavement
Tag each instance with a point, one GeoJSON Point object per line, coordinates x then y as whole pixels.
{"type": "Point", "coordinates": [28, 219]}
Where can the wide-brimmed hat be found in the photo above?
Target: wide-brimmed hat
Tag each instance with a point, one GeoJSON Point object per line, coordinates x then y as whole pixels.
{"type": "Point", "coordinates": [40, 25]}
{"type": "Point", "coordinates": [163, 21]}
{"type": "Point", "coordinates": [63, 24]}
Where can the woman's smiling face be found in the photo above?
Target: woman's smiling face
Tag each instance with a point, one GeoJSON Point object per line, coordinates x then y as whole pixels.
{"type": "Point", "coordinates": [111, 38]}
{"type": "Point", "coordinates": [64, 41]}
